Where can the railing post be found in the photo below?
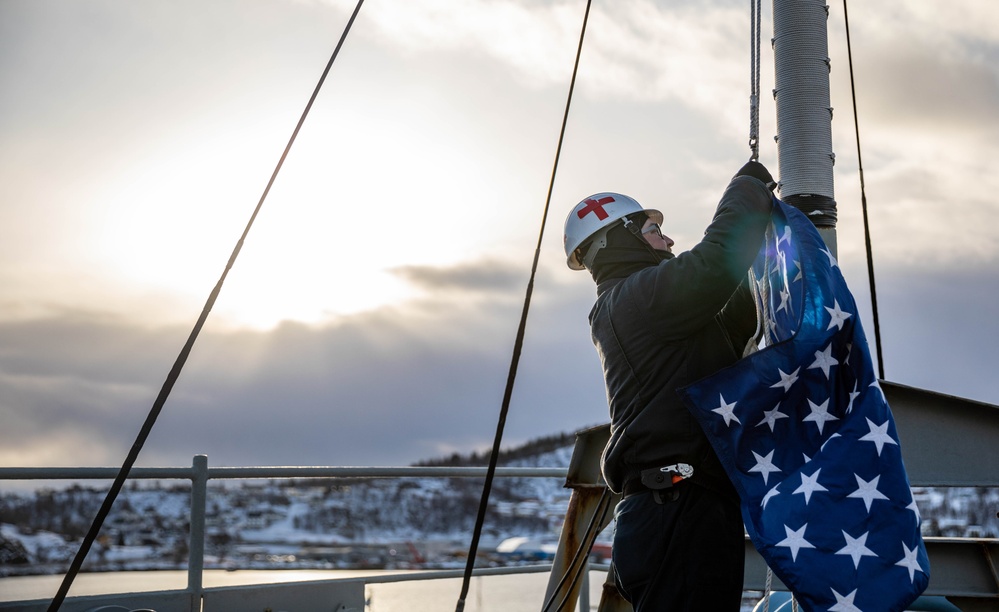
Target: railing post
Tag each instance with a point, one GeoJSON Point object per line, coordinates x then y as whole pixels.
{"type": "Point", "coordinates": [196, 554]}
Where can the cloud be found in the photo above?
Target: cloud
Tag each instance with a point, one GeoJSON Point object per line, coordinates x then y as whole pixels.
{"type": "Point", "coordinates": [639, 51]}
{"type": "Point", "coordinates": [388, 387]}
{"type": "Point", "coordinates": [480, 277]}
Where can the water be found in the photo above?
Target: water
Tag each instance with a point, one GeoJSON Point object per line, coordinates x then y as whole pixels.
{"type": "Point", "coordinates": [517, 593]}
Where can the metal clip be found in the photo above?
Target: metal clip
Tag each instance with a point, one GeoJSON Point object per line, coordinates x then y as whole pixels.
{"type": "Point", "coordinates": [680, 471]}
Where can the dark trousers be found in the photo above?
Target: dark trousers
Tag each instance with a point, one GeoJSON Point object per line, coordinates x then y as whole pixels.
{"type": "Point", "coordinates": [687, 553]}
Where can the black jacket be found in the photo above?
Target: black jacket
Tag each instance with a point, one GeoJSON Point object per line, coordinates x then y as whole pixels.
{"type": "Point", "coordinates": [669, 325]}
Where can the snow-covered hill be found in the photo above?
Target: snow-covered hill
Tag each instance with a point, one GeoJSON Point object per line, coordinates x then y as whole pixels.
{"type": "Point", "coordinates": [344, 522]}
{"type": "Point", "coordinates": [425, 522]}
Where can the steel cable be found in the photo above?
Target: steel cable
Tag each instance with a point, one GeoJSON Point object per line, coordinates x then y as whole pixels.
{"type": "Point", "coordinates": [519, 342]}
{"type": "Point", "coordinates": [754, 79]}
{"type": "Point", "coordinates": [178, 365]}
{"type": "Point", "coordinates": [863, 202]}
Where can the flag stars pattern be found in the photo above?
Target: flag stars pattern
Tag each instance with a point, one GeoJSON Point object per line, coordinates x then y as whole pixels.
{"type": "Point", "coordinates": [868, 491]}
{"type": "Point", "coordinates": [910, 561]}
{"type": "Point", "coordinates": [764, 465]}
{"type": "Point", "coordinates": [727, 410]}
{"type": "Point", "coordinates": [856, 548]}
{"type": "Point", "coordinates": [819, 414]}
{"type": "Point", "coordinates": [853, 398]}
{"type": "Point", "coordinates": [815, 370]}
{"type": "Point", "coordinates": [795, 540]}
{"type": "Point", "coordinates": [878, 435]}
{"type": "Point", "coordinates": [837, 317]}
{"type": "Point", "coordinates": [771, 493]}
{"type": "Point", "coordinates": [809, 485]}
{"type": "Point", "coordinates": [786, 380]}
{"type": "Point", "coordinates": [881, 391]}
{"type": "Point", "coordinates": [824, 360]}
{"type": "Point", "coordinates": [832, 259]}
{"type": "Point", "coordinates": [785, 295]}
{"type": "Point", "coordinates": [772, 416]}
{"type": "Point", "coordinates": [844, 603]}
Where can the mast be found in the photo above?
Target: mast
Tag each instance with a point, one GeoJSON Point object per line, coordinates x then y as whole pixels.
{"type": "Point", "coordinates": [804, 115]}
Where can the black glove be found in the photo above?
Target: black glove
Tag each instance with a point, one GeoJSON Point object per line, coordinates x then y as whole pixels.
{"type": "Point", "coordinates": [758, 171]}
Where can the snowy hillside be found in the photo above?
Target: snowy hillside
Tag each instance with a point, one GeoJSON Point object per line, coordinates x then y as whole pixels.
{"type": "Point", "coordinates": [405, 522]}
{"type": "Point", "coordinates": [334, 523]}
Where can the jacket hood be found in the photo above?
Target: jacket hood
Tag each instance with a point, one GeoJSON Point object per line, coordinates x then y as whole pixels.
{"type": "Point", "coordinates": [624, 255]}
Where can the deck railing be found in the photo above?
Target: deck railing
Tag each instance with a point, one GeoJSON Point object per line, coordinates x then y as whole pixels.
{"type": "Point", "coordinates": [348, 593]}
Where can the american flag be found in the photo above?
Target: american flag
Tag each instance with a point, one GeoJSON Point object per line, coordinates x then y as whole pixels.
{"type": "Point", "coordinates": [806, 435]}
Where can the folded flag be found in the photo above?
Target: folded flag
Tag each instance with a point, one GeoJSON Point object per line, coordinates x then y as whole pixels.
{"type": "Point", "coordinates": [807, 437]}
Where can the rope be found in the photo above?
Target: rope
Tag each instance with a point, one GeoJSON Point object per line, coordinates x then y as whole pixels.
{"type": "Point", "coordinates": [754, 79]}
{"type": "Point", "coordinates": [174, 373]}
{"type": "Point", "coordinates": [519, 342]}
{"type": "Point", "coordinates": [863, 202]}
{"type": "Point", "coordinates": [766, 590]}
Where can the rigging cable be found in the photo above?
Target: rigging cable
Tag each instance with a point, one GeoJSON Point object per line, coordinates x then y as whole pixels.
{"type": "Point", "coordinates": [863, 203]}
{"type": "Point", "coordinates": [174, 373]}
{"type": "Point", "coordinates": [754, 79]}
{"type": "Point", "coordinates": [519, 342]}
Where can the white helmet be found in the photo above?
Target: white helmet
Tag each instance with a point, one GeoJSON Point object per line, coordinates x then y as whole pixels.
{"type": "Point", "coordinates": [593, 218]}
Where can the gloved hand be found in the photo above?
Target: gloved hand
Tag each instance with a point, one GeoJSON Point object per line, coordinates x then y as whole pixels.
{"type": "Point", "coordinates": [757, 170]}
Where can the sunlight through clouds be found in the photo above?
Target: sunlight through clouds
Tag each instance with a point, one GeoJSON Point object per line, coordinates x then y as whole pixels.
{"type": "Point", "coordinates": [377, 295]}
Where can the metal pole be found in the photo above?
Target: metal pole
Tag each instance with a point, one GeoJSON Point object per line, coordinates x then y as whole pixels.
{"type": "Point", "coordinates": [196, 549]}
{"type": "Point", "coordinates": [804, 114]}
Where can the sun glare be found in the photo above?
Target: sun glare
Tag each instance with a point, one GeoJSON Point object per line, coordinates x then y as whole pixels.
{"type": "Point", "coordinates": [326, 239]}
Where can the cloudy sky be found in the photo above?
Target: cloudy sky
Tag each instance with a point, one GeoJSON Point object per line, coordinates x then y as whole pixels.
{"type": "Point", "coordinates": [371, 315]}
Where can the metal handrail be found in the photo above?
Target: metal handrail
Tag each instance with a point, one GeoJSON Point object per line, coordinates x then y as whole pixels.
{"type": "Point", "coordinates": [200, 474]}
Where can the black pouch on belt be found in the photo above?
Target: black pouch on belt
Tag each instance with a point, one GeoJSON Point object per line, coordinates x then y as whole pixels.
{"type": "Point", "coordinates": [659, 482]}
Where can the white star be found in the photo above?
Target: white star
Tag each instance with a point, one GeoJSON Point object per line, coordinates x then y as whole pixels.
{"type": "Point", "coordinates": [764, 465]}
{"type": "Point", "coordinates": [868, 491]}
{"type": "Point", "coordinates": [786, 236]}
{"type": "Point", "coordinates": [772, 416]}
{"type": "Point", "coordinates": [835, 435]}
{"type": "Point", "coordinates": [838, 317]}
{"type": "Point", "coordinates": [832, 260]}
{"type": "Point", "coordinates": [844, 603]}
{"type": "Point", "coordinates": [809, 485]}
{"type": "Point", "coordinates": [909, 562]}
{"type": "Point", "coordinates": [771, 493]}
{"type": "Point", "coordinates": [795, 540]}
{"type": "Point", "coordinates": [797, 264]}
{"type": "Point", "coordinates": [853, 396]}
{"type": "Point", "coordinates": [820, 414]}
{"type": "Point", "coordinates": [727, 411]}
{"type": "Point", "coordinates": [824, 360]}
{"type": "Point", "coordinates": [856, 548]}
{"type": "Point", "coordinates": [878, 435]}
{"type": "Point", "coordinates": [786, 380]}
{"type": "Point", "coordinates": [784, 297]}
{"type": "Point", "coordinates": [877, 386]}
{"type": "Point", "coordinates": [779, 264]}
{"type": "Point", "coordinates": [915, 510]}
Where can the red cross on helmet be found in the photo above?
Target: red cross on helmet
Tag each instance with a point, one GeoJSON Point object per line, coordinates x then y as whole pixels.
{"type": "Point", "coordinates": [592, 218]}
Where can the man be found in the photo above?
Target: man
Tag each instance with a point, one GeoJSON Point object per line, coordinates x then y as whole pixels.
{"type": "Point", "coordinates": [661, 322]}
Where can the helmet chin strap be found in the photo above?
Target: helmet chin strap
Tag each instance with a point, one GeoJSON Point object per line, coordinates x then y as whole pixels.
{"type": "Point", "coordinates": [636, 231]}
{"type": "Point", "coordinates": [599, 241]}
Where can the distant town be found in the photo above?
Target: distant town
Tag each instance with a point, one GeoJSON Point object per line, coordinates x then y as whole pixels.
{"type": "Point", "coordinates": [349, 523]}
